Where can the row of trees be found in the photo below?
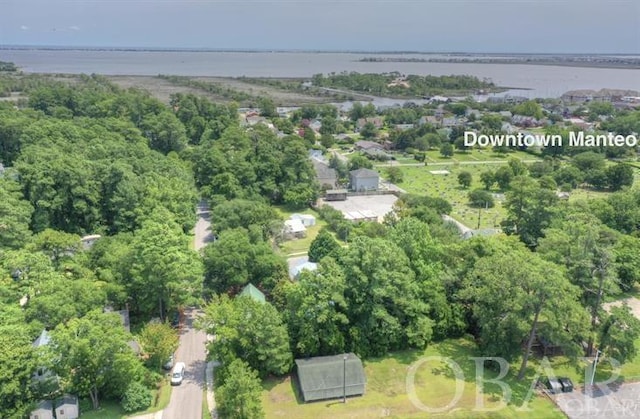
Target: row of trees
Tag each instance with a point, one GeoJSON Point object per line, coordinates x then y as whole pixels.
{"type": "Point", "coordinates": [85, 160]}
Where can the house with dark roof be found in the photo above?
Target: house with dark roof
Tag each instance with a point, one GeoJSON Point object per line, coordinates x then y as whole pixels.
{"type": "Point", "coordinates": [364, 180]}
{"type": "Point", "coordinates": [330, 377]}
{"type": "Point", "coordinates": [254, 293]}
{"type": "Point", "coordinates": [325, 175]}
{"type": "Point", "coordinates": [368, 145]}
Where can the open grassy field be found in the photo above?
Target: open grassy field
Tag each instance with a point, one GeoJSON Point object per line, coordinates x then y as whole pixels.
{"type": "Point", "coordinates": [435, 387]}
{"type": "Point", "coordinates": [477, 155]}
{"type": "Point", "coordinates": [418, 180]}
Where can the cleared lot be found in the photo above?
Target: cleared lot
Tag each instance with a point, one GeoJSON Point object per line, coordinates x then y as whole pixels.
{"type": "Point", "coordinates": [379, 205]}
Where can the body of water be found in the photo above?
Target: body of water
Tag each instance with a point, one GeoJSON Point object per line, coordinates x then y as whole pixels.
{"type": "Point", "coordinates": [540, 80]}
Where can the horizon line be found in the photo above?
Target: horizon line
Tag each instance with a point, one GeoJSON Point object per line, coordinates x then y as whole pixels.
{"type": "Point", "coordinates": [286, 50]}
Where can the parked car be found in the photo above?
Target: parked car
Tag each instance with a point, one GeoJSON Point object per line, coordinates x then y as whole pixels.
{"type": "Point", "coordinates": [567, 384]}
{"type": "Point", "coordinates": [178, 374]}
{"type": "Point", "coordinates": [169, 364]}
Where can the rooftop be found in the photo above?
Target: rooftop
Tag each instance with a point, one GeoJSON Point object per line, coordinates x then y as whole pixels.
{"type": "Point", "coordinates": [330, 377]}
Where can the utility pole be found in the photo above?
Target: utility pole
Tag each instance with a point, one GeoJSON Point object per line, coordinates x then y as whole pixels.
{"type": "Point", "coordinates": [595, 364]}
{"type": "Point", "coordinates": [344, 379]}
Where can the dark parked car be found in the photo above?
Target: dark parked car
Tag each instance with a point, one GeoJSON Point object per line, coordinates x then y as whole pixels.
{"type": "Point", "coordinates": [567, 385]}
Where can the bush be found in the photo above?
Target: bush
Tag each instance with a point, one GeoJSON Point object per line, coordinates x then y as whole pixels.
{"type": "Point", "coordinates": [136, 398]}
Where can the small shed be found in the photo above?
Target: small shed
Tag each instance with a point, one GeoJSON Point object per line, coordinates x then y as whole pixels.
{"type": "Point", "coordinates": [307, 220]}
{"type": "Point", "coordinates": [254, 293]}
{"type": "Point", "coordinates": [67, 407]}
{"type": "Point", "coordinates": [294, 229]}
{"type": "Point", "coordinates": [336, 195]}
{"type": "Point", "coordinates": [330, 377]}
{"type": "Point", "coordinates": [43, 410]}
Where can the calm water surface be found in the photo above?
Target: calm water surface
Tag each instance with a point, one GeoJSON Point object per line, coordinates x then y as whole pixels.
{"type": "Point", "coordinates": [541, 80]}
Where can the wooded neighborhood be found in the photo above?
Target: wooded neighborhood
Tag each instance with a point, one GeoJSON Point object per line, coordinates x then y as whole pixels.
{"type": "Point", "coordinates": [355, 241]}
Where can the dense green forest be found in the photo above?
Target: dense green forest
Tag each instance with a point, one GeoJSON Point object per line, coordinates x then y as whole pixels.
{"type": "Point", "coordinates": [410, 86]}
{"type": "Point", "coordinates": [91, 158]}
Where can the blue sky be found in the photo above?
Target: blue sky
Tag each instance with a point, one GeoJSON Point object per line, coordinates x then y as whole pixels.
{"type": "Point", "coordinates": [546, 26]}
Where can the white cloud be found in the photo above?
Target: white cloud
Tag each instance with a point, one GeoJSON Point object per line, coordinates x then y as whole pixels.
{"type": "Point", "coordinates": [74, 28]}
{"type": "Point", "coordinates": [24, 28]}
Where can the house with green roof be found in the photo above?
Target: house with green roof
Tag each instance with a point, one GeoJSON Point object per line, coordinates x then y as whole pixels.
{"type": "Point", "coordinates": [251, 291]}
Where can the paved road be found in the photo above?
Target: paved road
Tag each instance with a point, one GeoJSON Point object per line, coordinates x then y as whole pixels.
{"type": "Point", "coordinates": [186, 399]}
{"type": "Point", "coordinates": [203, 234]}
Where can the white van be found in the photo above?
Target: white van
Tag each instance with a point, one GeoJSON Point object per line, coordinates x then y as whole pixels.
{"type": "Point", "coordinates": [177, 374]}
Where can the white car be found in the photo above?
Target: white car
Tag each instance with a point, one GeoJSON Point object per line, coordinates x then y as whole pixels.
{"type": "Point", "coordinates": [177, 374]}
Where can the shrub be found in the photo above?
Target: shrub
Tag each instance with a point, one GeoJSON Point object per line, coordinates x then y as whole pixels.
{"type": "Point", "coordinates": [136, 398]}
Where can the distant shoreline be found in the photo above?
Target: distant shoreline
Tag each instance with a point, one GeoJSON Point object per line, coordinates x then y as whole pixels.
{"type": "Point", "coordinates": [583, 61]}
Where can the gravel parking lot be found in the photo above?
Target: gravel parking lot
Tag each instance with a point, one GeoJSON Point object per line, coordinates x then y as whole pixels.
{"type": "Point", "coordinates": [380, 205]}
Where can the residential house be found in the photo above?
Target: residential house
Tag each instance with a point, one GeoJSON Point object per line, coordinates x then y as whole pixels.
{"type": "Point", "coordinates": [315, 125]}
{"type": "Point", "coordinates": [403, 127]}
{"type": "Point", "coordinates": [43, 410]}
{"type": "Point", "coordinates": [428, 120]}
{"type": "Point", "coordinates": [325, 175]}
{"type": "Point", "coordinates": [330, 377]}
{"type": "Point", "coordinates": [43, 374]}
{"type": "Point", "coordinates": [126, 324]}
{"type": "Point", "coordinates": [368, 145]}
{"type": "Point", "coordinates": [254, 120]}
{"type": "Point", "coordinates": [254, 293]}
{"type": "Point", "coordinates": [377, 122]}
{"type": "Point", "coordinates": [364, 180]}
{"type": "Point", "coordinates": [67, 408]}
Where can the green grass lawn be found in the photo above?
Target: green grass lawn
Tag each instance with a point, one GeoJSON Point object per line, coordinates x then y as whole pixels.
{"type": "Point", "coordinates": [435, 385]}
{"type": "Point", "coordinates": [418, 180]}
